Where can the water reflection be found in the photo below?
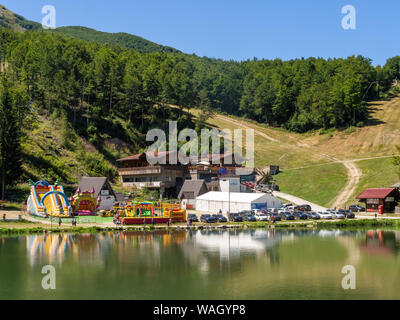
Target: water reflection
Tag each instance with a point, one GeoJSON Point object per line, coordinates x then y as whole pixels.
{"type": "Point", "coordinates": [225, 245]}
{"type": "Point", "coordinates": [215, 264]}
{"type": "Point", "coordinates": [382, 243]}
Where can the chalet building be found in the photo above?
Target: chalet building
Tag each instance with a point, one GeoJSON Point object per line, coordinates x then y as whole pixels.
{"type": "Point", "coordinates": [137, 171]}
{"type": "Point", "coordinates": [169, 178]}
{"type": "Point", "coordinates": [190, 190]}
{"type": "Point", "coordinates": [227, 166]}
{"type": "Point", "coordinates": [373, 198]}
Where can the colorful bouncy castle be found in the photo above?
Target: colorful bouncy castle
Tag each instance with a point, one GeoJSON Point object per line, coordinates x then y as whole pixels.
{"type": "Point", "coordinates": [148, 213]}
{"type": "Point", "coordinates": [48, 200]}
{"type": "Point", "coordinates": [84, 203]}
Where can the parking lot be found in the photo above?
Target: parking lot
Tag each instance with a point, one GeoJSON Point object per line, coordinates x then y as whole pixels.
{"type": "Point", "coordinates": [287, 212]}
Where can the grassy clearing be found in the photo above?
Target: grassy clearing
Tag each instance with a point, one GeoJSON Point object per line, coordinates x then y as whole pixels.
{"type": "Point", "coordinates": [286, 152]}
{"type": "Point", "coordinates": [319, 184]}
{"type": "Point", "coordinates": [376, 173]}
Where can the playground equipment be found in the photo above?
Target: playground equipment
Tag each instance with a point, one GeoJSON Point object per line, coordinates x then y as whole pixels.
{"type": "Point", "coordinates": [148, 213]}
{"type": "Point", "coordinates": [48, 200]}
{"type": "Point", "coordinates": [84, 203]}
{"type": "Point", "coordinates": [175, 211]}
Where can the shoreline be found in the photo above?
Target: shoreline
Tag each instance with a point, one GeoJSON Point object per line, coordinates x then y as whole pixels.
{"type": "Point", "coordinates": [24, 228]}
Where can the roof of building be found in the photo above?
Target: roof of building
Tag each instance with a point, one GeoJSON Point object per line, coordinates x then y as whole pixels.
{"type": "Point", "coordinates": [396, 185]}
{"type": "Point", "coordinates": [88, 183]}
{"type": "Point", "coordinates": [145, 154]}
{"type": "Point", "coordinates": [196, 159]}
{"type": "Point", "coordinates": [375, 193]}
{"type": "Point", "coordinates": [234, 196]}
{"type": "Point", "coordinates": [194, 186]}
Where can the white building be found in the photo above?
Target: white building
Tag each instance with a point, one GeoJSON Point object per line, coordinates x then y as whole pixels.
{"type": "Point", "coordinates": [232, 184]}
{"type": "Point", "coordinates": [214, 201]}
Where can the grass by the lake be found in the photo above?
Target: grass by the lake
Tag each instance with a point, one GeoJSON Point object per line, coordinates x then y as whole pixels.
{"type": "Point", "coordinates": [318, 184]}
{"type": "Point", "coordinates": [25, 228]}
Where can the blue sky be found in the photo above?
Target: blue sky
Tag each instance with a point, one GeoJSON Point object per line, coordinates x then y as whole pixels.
{"type": "Point", "coordinates": [238, 29]}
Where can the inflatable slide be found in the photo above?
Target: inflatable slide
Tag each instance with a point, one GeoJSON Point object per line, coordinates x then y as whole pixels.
{"type": "Point", "coordinates": [48, 200]}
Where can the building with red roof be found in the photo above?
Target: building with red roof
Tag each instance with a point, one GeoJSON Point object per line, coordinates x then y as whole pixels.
{"type": "Point", "coordinates": [375, 197]}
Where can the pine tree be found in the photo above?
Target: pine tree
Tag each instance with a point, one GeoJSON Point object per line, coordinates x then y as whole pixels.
{"type": "Point", "coordinates": [10, 133]}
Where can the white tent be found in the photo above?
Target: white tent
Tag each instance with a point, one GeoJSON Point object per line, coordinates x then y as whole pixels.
{"type": "Point", "coordinates": [214, 201]}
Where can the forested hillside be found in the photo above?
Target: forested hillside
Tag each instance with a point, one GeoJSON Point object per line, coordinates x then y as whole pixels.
{"type": "Point", "coordinates": [299, 95]}
{"type": "Point", "coordinates": [106, 93]}
{"type": "Point", "coordinates": [124, 40]}
{"type": "Point", "coordinates": [14, 21]}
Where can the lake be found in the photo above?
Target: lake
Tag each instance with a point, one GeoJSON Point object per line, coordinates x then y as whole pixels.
{"type": "Point", "coordinates": [234, 264]}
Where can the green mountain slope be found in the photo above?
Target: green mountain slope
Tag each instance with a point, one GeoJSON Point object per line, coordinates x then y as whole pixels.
{"type": "Point", "coordinates": [120, 39]}
{"type": "Point", "coordinates": [15, 22]}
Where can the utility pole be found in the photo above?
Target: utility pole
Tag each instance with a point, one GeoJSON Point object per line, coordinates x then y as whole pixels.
{"type": "Point", "coordinates": [229, 197]}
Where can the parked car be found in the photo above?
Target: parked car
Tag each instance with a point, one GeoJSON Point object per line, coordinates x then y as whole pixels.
{"type": "Point", "coordinates": [249, 184]}
{"type": "Point", "coordinates": [285, 205]}
{"type": "Point", "coordinates": [332, 212]}
{"type": "Point", "coordinates": [348, 213]}
{"type": "Point", "coordinates": [274, 187]}
{"type": "Point", "coordinates": [260, 216]}
{"type": "Point", "coordinates": [356, 208]}
{"type": "Point", "coordinates": [249, 217]}
{"type": "Point", "coordinates": [314, 215]}
{"type": "Point", "coordinates": [255, 211]}
{"type": "Point", "coordinates": [340, 215]}
{"type": "Point", "coordinates": [245, 212]}
{"type": "Point", "coordinates": [207, 218]}
{"type": "Point", "coordinates": [235, 217]}
{"type": "Point", "coordinates": [220, 218]}
{"type": "Point", "coordinates": [286, 215]}
{"type": "Point", "coordinates": [192, 217]}
{"type": "Point", "coordinates": [325, 215]}
{"type": "Point", "coordinates": [300, 215]}
{"type": "Point", "coordinates": [303, 207]}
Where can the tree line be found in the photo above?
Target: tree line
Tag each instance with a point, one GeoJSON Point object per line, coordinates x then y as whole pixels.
{"type": "Point", "coordinates": [91, 80]}
{"type": "Point", "coordinates": [114, 91]}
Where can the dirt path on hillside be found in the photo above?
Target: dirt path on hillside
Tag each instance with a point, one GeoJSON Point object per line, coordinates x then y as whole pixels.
{"type": "Point", "coordinates": [241, 124]}
{"type": "Point", "coordinates": [354, 174]}
{"type": "Point", "coordinates": [353, 171]}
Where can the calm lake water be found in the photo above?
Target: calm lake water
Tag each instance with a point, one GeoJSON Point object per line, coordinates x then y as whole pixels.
{"type": "Point", "coordinates": [256, 264]}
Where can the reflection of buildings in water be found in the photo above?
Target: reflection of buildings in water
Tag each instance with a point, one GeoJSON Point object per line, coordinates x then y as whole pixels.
{"type": "Point", "coordinates": [202, 248]}
{"type": "Point", "coordinates": [87, 248]}
{"type": "Point", "coordinates": [382, 243]}
{"type": "Point", "coordinates": [377, 242]}
{"type": "Point", "coordinates": [53, 247]}
{"type": "Point", "coordinates": [146, 248]}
